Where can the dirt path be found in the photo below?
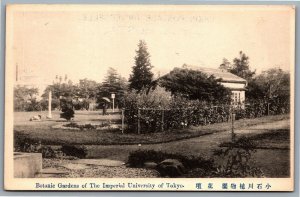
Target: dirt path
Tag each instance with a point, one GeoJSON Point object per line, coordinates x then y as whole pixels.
{"type": "Point", "coordinates": [199, 146]}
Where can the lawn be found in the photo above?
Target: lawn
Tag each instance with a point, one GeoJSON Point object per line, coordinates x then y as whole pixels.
{"type": "Point", "coordinates": [272, 155]}
{"type": "Point", "coordinates": [43, 131]}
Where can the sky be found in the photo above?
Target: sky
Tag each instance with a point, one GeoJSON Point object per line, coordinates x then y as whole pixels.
{"type": "Point", "coordinates": [84, 41]}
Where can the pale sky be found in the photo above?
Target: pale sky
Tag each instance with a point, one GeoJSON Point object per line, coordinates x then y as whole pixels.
{"type": "Point", "coordinates": [83, 41]}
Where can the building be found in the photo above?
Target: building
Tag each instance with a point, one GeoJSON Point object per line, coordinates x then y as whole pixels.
{"type": "Point", "coordinates": [236, 84]}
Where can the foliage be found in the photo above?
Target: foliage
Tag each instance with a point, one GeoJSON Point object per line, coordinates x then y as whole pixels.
{"type": "Point", "coordinates": [141, 76]}
{"type": "Point", "coordinates": [60, 90]}
{"type": "Point", "coordinates": [113, 83]}
{"type": "Point", "coordinates": [82, 93]}
{"type": "Point", "coordinates": [76, 151]}
{"type": "Point", "coordinates": [80, 104]}
{"type": "Point", "coordinates": [25, 99]}
{"type": "Point", "coordinates": [226, 65]}
{"type": "Point", "coordinates": [87, 126]}
{"type": "Point", "coordinates": [236, 160]}
{"type": "Point", "coordinates": [177, 112]}
{"type": "Point", "coordinates": [195, 85]}
{"type": "Point", "coordinates": [271, 87]}
{"type": "Point", "coordinates": [66, 106]}
{"type": "Point", "coordinates": [55, 104]}
{"type": "Point", "coordinates": [23, 143]}
{"type": "Point", "coordinates": [139, 157]}
{"type": "Point", "coordinates": [86, 89]}
{"type": "Point", "coordinates": [241, 68]}
{"type": "Point", "coordinates": [157, 98]}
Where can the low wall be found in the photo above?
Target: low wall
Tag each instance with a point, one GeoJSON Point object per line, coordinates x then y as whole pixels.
{"type": "Point", "coordinates": [27, 165]}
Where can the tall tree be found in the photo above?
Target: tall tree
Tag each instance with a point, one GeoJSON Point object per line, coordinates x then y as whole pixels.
{"type": "Point", "coordinates": [112, 84]}
{"type": "Point", "coordinates": [226, 65]}
{"type": "Point", "coordinates": [240, 67]}
{"type": "Point", "coordinates": [141, 76]}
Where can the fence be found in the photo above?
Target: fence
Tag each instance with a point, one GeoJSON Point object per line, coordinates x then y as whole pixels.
{"type": "Point", "coordinates": [147, 120]}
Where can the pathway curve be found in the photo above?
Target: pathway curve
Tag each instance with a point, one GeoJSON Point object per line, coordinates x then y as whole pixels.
{"type": "Point", "coordinates": [198, 146]}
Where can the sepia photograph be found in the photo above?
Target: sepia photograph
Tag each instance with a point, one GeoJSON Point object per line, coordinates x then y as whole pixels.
{"type": "Point", "coordinates": [143, 96]}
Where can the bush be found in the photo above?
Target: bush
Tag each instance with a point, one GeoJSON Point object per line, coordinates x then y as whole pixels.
{"type": "Point", "coordinates": [67, 108]}
{"type": "Point", "coordinates": [177, 112]}
{"type": "Point", "coordinates": [22, 143]}
{"type": "Point", "coordinates": [139, 157]}
{"type": "Point", "coordinates": [48, 152]}
{"type": "Point", "coordinates": [236, 160]}
{"type": "Point", "coordinates": [76, 151]}
{"type": "Point", "coordinates": [158, 98]}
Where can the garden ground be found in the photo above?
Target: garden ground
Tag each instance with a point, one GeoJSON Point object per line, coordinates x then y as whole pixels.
{"type": "Point", "coordinates": [272, 155]}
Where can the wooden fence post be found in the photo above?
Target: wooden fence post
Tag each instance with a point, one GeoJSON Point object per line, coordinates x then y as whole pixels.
{"type": "Point", "coordinates": [232, 127]}
{"type": "Point", "coordinates": [162, 120]}
{"type": "Point", "coordinates": [139, 124]}
{"type": "Point", "coordinates": [122, 121]}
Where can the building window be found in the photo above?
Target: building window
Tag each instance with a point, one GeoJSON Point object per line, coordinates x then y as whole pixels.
{"type": "Point", "coordinates": [235, 98]}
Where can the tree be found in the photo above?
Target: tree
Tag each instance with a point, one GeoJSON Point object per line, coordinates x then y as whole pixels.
{"type": "Point", "coordinates": [240, 67]}
{"type": "Point", "coordinates": [87, 89]}
{"type": "Point", "coordinates": [195, 85]}
{"type": "Point", "coordinates": [60, 89]}
{"type": "Point", "coordinates": [112, 84]}
{"type": "Point", "coordinates": [25, 99]}
{"type": "Point", "coordinates": [272, 87]}
{"type": "Point", "coordinates": [141, 76]}
{"type": "Point", "coordinates": [226, 65]}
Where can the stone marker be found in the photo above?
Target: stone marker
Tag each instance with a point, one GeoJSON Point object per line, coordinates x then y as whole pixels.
{"type": "Point", "coordinates": [171, 168]}
{"type": "Point", "coordinates": [27, 165]}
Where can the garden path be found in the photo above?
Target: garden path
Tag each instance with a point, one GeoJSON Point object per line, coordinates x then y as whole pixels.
{"type": "Point", "coordinates": [198, 146]}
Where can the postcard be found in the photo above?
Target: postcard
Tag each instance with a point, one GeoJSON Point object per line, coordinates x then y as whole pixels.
{"type": "Point", "coordinates": [149, 97]}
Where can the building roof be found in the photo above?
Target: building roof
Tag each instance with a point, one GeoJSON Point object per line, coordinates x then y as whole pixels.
{"type": "Point", "coordinates": [222, 74]}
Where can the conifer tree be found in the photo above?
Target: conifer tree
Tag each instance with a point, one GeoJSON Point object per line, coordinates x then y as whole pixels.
{"type": "Point", "coordinates": [141, 76]}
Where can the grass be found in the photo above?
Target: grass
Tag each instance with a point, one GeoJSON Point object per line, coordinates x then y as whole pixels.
{"type": "Point", "coordinates": [271, 139]}
{"type": "Point", "coordinates": [273, 161]}
{"type": "Point", "coordinates": [43, 131]}
{"type": "Point", "coordinates": [272, 152]}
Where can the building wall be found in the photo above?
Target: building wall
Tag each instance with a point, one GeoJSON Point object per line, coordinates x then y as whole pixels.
{"type": "Point", "coordinates": [238, 92]}
{"type": "Point", "coordinates": [238, 97]}
{"type": "Point", "coordinates": [234, 85]}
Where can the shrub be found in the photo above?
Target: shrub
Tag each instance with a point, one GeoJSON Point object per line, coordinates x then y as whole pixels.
{"type": "Point", "coordinates": [157, 110]}
{"type": "Point", "coordinates": [139, 157]}
{"type": "Point", "coordinates": [158, 99]}
{"type": "Point", "coordinates": [22, 143]}
{"type": "Point", "coordinates": [177, 112]}
{"type": "Point", "coordinates": [76, 151]}
{"type": "Point", "coordinates": [236, 160]}
{"type": "Point", "coordinates": [67, 108]}
{"type": "Point", "coordinates": [48, 152]}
